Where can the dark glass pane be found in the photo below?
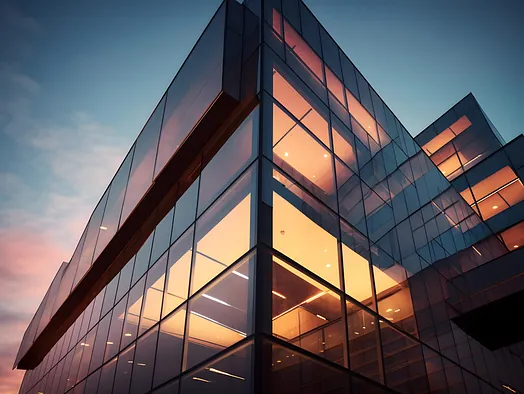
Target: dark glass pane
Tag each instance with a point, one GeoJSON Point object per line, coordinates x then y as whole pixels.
{"type": "Point", "coordinates": [88, 344]}
{"type": "Point", "coordinates": [125, 278]}
{"type": "Point", "coordinates": [185, 210]}
{"type": "Point", "coordinates": [100, 343]}
{"type": "Point", "coordinates": [107, 376]}
{"type": "Point", "coordinates": [115, 330]}
{"type": "Point", "coordinates": [109, 296]}
{"type": "Point", "coordinates": [230, 374]}
{"type": "Point", "coordinates": [169, 351]}
{"type": "Point", "coordinates": [143, 363]}
{"type": "Point", "coordinates": [123, 371]}
{"type": "Point", "coordinates": [195, 87]}
{"type": "Point", "coordinates": [231, 159]}
{"type": "Point", "coordinates": [142, 259]}
{"type": "Point", "coordinates": [162, 236]}
{"type": "Point", "coordinates": [134, 307]}
{"type": "Point", "coordinates": [141, 174]}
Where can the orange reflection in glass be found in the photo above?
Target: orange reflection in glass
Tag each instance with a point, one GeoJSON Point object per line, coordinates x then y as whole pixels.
{"type": "Point", "coordinates": [447, 135]}
{"type": "Point", "coordinates": [514, 236]}
{"type": "Point", "coordinates": [362, 116]}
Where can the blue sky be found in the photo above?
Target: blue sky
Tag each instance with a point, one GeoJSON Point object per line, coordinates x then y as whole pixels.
{"type": "Point", "coordinates": [78, 81]}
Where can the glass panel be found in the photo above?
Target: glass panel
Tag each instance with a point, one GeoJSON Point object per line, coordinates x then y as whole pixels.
{"type": "Point", "coordinates": [142, 259]}
{"type": "Point", "coordinates": [230, 374]}
{"type": "Point", "coordinates": [404, 364]}
{"type": "Point", "coordinates": [344, 143]}
{"type": "Point", "coordinates": [178, 266]}
{"type": "Point", "coordinates": [514, 236]}
{"type": "Point", "coordinates": [162, 238]}
{"type": "Point", "coordinates": [228, 163]}
{"type": "Point", "coordinates": [143, 164]}
{"type": "Point", "coordinates": [168, 361]}
{"type": "Point", "coordinates": [125, 278]}
{"type": "Point", "coordinates": [88, 344]}
{"type": "Point", "coordinates": [134, 307]}
{"type": "Point", "coordinates": [292, 372]}
{"type": "Point", "coordinates": [362, 116]}
{"type": "Point", "coordinates": [107, 376]}
{"type": "Point", "coordinates": [303, 51]}
{"type": "Point", "coordinates": [301, 103]}
{"type": "Point", "coordinates": [123, 371]}
{"type": "Point", "coordinates": [115, 331]}
{"type": "Point", "coordinates": [100, 343]}
{"type": "Point", "coordinates": [143, 362]}
{"type": "Point", "coordinates": [298, 220]}
{"type": "Point", "coordinates": [111, 219]}
{"type": "Point", "coordinates": [218, 317]}
{"type": "Point", "coordinates": [109, 295]}
{"type": "Point", "coordinates": [336, 87]}
{"type": "Point", "coordinates": [355, 257]}
{"type": "Point", "coordinates": [306, 313]}
{"type": "Point", "coordinates": [225, 232]}
{"type": "Point", "coordinates": [153, 294]}
{"type": "Point", "coordinates": [363, 342]}
{"type": "Point", "coordinates": [185, 210]}
{"type": "Point", "coordinates": [297, 152]}
{"type": "Point", "coordinates": [194, 89]}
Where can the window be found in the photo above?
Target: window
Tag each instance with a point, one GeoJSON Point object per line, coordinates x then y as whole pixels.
{"type": "Point", "coordinates": [218, 316]}
{"type": "Point", "coordinates": [115, 331]}
{"type": "Point", "coordinates": [306, 313]}
{"type": "Point", "coordinates": [178, 266]}
{"type": "Point", "coordinates": [168, 361]}
{"type": "Point", "coordinates": [153, 294]}
{"type": "Point", "coordinates": [143, 363]}
{"type": "Point", "coordinates": [228, 163]}
{"type": "Point", "coordinates": [134, 307]}
{"type": "Point", "coordinates": [225, 232]}
{"type": "Point", "coordinates": [185, 210]}
{"type": "Point", "coordinates": [123, 370]}
{"type": "Point", "coordinates": [299, 220]}
{"type": "Point", "coordinates": [447, 135]}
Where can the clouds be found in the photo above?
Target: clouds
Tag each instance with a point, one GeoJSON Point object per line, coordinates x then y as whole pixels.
{"type": "Point", "coordinates": [53, 170]}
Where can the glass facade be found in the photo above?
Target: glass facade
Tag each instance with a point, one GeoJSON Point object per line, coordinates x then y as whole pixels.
{"type": "Point", "coordinates": [316, 248]}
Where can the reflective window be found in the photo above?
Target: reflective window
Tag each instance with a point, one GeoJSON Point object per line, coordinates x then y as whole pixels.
{"type": "Point", "coordinates": [109, 295]}
{"type": "Point", "coordinates": [185, 210]}
{"type": "Point", "coordinates": [123, 371]}
{"type": "Point", "coordinates": [134, 307]}
{"type": "Point", "coordinates": [514, 237]}
{"type": "Point", "coordinates": [115, 330]}
{"type": "Point", "coordinates": [299, 220]}
{"type": "Point", "coordinates": [143, 363]}
{"type": "Point", "coordinates": [306, 313]}
{"type": "Point", "coordinates": [218, 317]}
{"type": "Point", "coordinates": [363, 342]}
{"type": "Point", "coordinates": [153, 295]}
{"type": "Point", "coordinates": [230, 374]}
{"type": "Point", "coordinates": [142, 168]}
{"type": "Point", "coordinates": [178, 266]}
{"type": "Point", "coordinates": [143, 257]}
{"type": "Point", "coordinates": [195, 87]}
{"type": "Point", "coordinates": [168, 362]}
{"type": "Point", "coordinates": [447, 135]}
{"type": "Point", "coordinates": [125, 278]}
{"type": "Point", "coordinates": [292, 372]}
{"type": "Point", "coordinates": [107, 376]}
{"type": "Point", "coordinates": [362, 116]}
{"type": "Point", "coordinates": [162, 237]}
{"type": "Point", "coordinates": [225, 232]}
{"type": "Point", "coordinates": [228, 163]}
{"type": "Point", "coordinates": [113, 209]}
{"type": "Point", "coordinates": [88, 344]}
{"type": "Point", "coordinates": [100, 343]}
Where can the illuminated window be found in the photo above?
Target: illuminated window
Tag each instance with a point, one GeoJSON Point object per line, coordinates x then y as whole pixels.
{"type": "Point", "coordinates": [293, 228]}
{"type": "Point", "coordinates": [514, 237]}
{"type": "Point", "coordinates": [225, 232]}
{"type": "Point", "coordinates": [447, 135]}
{"type": "Point", "coordinates": [496, 193]}
{"type": "Point", "coordinates": [153, 294]}
{"type": "Point", "coordinates": [306, 313]}
{"type": "Point", "coordinates": [362, 116]}
{"type": "Point", "coordinates": [218, 316]}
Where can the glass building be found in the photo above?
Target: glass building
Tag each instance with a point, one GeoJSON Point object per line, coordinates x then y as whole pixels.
{"type": "Point", "coordinates": [276, 229]}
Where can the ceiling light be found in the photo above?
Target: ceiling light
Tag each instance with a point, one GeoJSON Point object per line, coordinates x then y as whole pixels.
{"type": "Point", "coordinates": [215, 299]}
{"type": "Point", "coordinates": [372, 322]}
{"type": "Point", "coordinates": [495, 206]}
{"type": "Point", "coordinates": [241, 275]}
{"type": "Point", "coordinates": [278, 361]}
{"type": "Point", "coordinates": [325, 250]}
{"type": "Point", "coordinates": [84, 344]}
{"type": "Point", "coordinates": [515, 246]}
{"type": "Point", "coordinates": [286, 154]}
{"type": "Point", "coordinates": [110, 343]}
{"type": "Point", "coordinates": [476, 250]}
{"type": "Point", "coordinates": [103, 228]}
{"type": "Point", "coordinates": [389, 310]}
{"type": "Point", "coordinates": [397, 310]}
{"type": "Point", "coordinates": [201, 380]}
{"type": "Point", "coordinates": [127, 334]}
{"type": "Point", "coordinates": [130, 361]}
{"type": "Point", "coordinates": [328, 265]}
{"type": "Point", "coordinates": [141, 364]}
{"type": "Point", "coordinates": [279, 295]}
{"type": "Point", "coordinates": [356, 332]}
{"type": "Point", "coordinates": [325, 155]}
{"type": "Point", "coordinates": [321, 317]}
{"type": "Point", "coordinates": [364, 327]}
{"type": "Point", "coordinates": [314, 297]}
{"type": "Point", "coordinates": [314, 176]}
